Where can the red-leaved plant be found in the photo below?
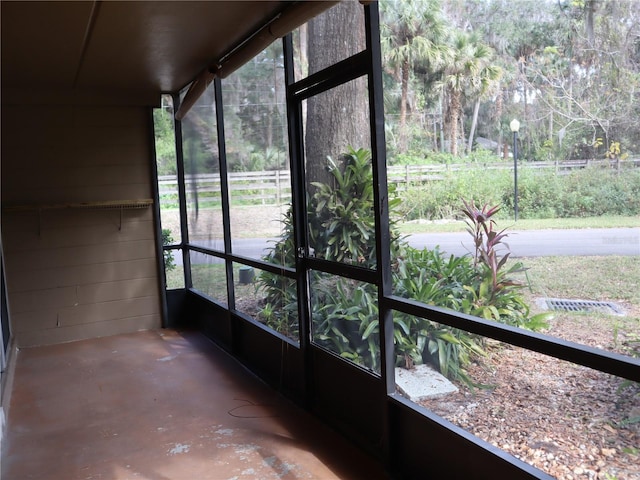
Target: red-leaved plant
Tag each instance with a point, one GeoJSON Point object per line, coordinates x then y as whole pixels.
{"type": "Point", "coordinates": [496, 295]}
{"type": "Point", "coordinates": [480, 226]}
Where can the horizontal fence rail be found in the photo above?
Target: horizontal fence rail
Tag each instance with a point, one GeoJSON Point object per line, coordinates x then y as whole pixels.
{"type": "Point", "coordinates": [273, 187]}
{"type": "Point", "coordinates": [263, 187]}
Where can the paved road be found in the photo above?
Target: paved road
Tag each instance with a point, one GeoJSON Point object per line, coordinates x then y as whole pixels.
{"type": "Point", "coordinates": [544, 243]}
{"type": "Point", "coordinates": [526, 243]}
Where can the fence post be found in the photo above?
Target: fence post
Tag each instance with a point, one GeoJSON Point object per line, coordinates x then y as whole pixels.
{"type": "Point", "coordinates": [406, 178]}
{"type": "Point", "coordinates": [278, 194]}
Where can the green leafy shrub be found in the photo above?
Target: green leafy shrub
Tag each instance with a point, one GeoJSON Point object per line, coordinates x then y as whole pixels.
{"type": "Point", "coordinates": [483, 156]}
{"type": "Point", "coordinates": [280, 309]}
{"type": "Point", "coordinates": [584, 192]}
{"type": "Point", "coordinates": [403, 159]}
{"type": "Point", "coordinates": [430, 277]}
{"type": "Point", "coordinates": [480, 284]}
{"type": "Point", "coordinates": [341, 215]}
{"type": "Point", "coordinates": [345, 317]}
{"type": "Point", "coordinates": [440, 199]}
{"type": "Point", "coordinates": [169, 261]}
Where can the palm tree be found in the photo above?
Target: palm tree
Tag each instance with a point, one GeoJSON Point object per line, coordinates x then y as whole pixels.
{"type": "Point", "coordinates": [467, 71]}
{"type": "Point", "coordinates": [488, 84]}
{"type": "Point", "coordinates": [412, 32]}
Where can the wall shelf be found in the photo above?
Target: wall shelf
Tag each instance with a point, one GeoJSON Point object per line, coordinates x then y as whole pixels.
{"type": "Point", "coordinates": [108, 204]}
{"type": "Point", "coordinates": [100, 205]}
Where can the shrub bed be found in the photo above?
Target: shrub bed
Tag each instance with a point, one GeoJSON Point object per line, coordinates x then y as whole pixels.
{"type": "Point", "coordinates": [345, 313]}
{"type": "Point", "coordinates": [541, 193]}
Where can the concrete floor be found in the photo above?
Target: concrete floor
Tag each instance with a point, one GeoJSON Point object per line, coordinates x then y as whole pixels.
{"type": "Point", "coordinates": [160, 405]}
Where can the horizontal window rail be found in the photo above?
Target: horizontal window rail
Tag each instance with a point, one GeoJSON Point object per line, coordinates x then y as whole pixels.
{"type": "Point", "coordinates": [609, 362]}
{"type": "Point", "coordinates": [251, 262]}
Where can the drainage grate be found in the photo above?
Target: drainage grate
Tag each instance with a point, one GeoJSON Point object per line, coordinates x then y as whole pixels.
{"type": "Point", "coordinates": [585, 306]}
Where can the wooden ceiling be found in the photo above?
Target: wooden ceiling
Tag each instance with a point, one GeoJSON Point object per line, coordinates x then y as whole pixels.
{"type": "Point", "coordinates": [137, 46]}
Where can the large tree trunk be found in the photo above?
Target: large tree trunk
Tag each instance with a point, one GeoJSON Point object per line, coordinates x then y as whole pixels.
{"type": "Point", "coordinates": [338, 118]}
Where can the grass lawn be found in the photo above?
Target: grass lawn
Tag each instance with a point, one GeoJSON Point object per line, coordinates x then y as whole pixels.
{"type": "Point", "coordinates": [614, 278]}
{"type": "Point", "coordinates": [602, 279]}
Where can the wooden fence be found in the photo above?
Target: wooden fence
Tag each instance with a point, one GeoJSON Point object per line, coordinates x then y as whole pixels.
{"type": "Point", "coordinates": [274, 187]}
{"type": "Point", "coordinates": [266, 187]}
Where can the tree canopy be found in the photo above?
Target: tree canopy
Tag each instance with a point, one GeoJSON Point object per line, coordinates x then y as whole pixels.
{"type": "Point", "coordinates": [454, 71]}
{"type": "Point", "coordinates": [569, 70]}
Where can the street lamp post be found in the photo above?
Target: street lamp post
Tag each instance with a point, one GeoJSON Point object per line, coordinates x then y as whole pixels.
{"type": "Point", "coordinates": [515, 126]}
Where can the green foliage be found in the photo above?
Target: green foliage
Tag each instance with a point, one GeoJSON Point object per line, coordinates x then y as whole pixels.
{"type": "Point", "coordinates": [345, 312]}
{"type": "Point", "coordinates": [165, 141]}
{"type": "Point", "coordinates": [587, 192]}
{"type": "Point", "coordinates": [347, 319]}
{"type": "Point", "coordinates": [483, 156]}
{"type": "Point", "coordinates": [247, 159]}
{"type": "Point", "coordinates": [582, 193]}
{"type": "Point", "coordinates": [403, 159]}
{"type": "Point", "coordinates": [440, 199]}
{"type": "Point", "coordinates": [167, 239]}
{"type": "Point", "coordinates": [578, 87]}
{"type": "Point", "coordinates": [280, 294]}
{"type": "Point", "coordinates": [442, 158]}
{"type": "Point", "coordinates": [341, 215]}
{"type": "Point", "coordinates": [478, 156]}
{"type": "Point", "coordinates": [254, 111]}
{"type": "Point", "coordinates": [429, 277]}
{"type": "Point", "coordinates": [280, 311]}
{"type": "Point", "coordinates": [479, 285]}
